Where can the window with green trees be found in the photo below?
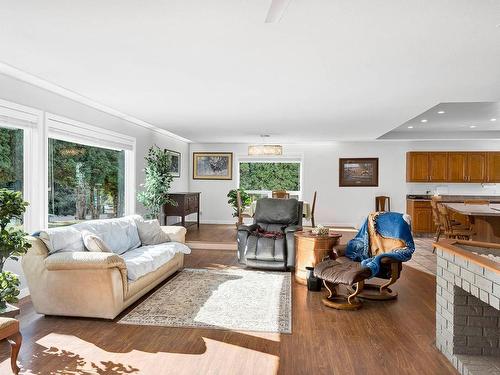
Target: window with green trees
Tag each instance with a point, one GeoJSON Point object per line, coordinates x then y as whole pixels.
{"type": "Point", "coordinates": [85, 182]}
{"type": "Point", "coordinates": [11, 159]}
{"type": "Point", "coordinates": [268, 176]}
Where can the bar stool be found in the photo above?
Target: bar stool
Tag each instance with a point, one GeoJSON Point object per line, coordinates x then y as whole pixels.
{"type": "Point", "coordinates": [382, 203]}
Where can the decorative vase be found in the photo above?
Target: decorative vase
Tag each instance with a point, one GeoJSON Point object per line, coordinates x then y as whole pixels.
{"type": "Point", "coordinates": [313, 283]}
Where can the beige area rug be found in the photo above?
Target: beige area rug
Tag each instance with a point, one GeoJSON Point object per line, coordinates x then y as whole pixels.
{"type": "Point", "coordinates": [232, 299]}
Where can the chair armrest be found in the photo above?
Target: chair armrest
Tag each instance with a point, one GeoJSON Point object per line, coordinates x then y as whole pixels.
{"type": "Point", "coordinates": [247, 228]}
{"type": "Point", "coordinates": [339, 250]}
{"type": "Point", "coordinates": [84, 260]}
{"type": "Point", "coordinates": [293, 228]}
{"type": "Point", "coordinates": [175, 232]}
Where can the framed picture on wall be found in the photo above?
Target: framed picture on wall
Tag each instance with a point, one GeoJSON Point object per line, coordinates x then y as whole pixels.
{"type": "Point", "coordinates": [175, 168]}
{"type": "Point", "coordinates": [212, 165]}
{"type": "Point", "coordinates": [358, 172]}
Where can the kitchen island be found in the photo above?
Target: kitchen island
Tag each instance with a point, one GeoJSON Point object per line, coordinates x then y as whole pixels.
{"type": "Point", "coordinates": [418, 206]}
{"type": "Point", "coordinates": [485, 219]}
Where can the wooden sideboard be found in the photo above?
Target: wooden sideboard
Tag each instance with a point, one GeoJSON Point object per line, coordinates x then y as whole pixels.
{"type": "Point", "coordinates": [187, 204]}
{"type": "Point", "coordinates": [453, 166]}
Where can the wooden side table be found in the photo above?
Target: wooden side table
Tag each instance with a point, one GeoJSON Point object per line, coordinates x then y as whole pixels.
{"type": "Point", "coordinates": [310, 249]}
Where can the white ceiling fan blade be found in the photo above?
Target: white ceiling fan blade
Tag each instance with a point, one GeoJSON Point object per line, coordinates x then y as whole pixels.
{"type": "Point", "coordinates": [276, 10]}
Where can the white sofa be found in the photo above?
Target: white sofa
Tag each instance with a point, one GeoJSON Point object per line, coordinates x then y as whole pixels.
{"type": "Point", "coordinates": [71, 281]}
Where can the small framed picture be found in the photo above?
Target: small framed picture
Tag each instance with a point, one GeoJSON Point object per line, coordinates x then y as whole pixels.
{"type": "Point", "coordinates": [175, 168]}
{"type": "Point", "coordinates": [212, 165]}
{"type": "Point", "coordinates": [358, 172]}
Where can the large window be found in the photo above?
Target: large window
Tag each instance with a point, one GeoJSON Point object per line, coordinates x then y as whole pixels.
{"type": "Point", "coordinates": [260, 178]}
{"type": "Point", "coordinates": [11, 159]}
{"type": "Point", "coordinates": [85, 182]}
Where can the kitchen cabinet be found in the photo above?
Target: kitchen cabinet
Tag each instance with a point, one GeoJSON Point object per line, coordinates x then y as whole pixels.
{"type": "Point", "coordinates": [417, 166]}
{"type": "Point", "coordinates": [493, 167]}
{"type": "Point", "coordinates": [462, 166]}
{"type": "Point", "coordinates": [457, 166]}
{"type": "Point", "coordinates": [421, 216]}
{"type": "Point", "coordinates": [476, 167]}
{"type": "Point", "coordinates": [438, 166]}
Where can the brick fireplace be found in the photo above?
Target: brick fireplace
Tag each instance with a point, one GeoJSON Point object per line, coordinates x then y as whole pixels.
{"type": "Point", "coordinates": [468, 310]}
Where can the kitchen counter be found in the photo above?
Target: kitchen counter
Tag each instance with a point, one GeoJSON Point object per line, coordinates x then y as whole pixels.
{"type": "Point", "coordinates": [454, 198]}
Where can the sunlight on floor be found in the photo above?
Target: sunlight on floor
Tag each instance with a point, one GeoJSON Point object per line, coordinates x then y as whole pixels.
{"type": "Point", "coordinates": [71, 355]}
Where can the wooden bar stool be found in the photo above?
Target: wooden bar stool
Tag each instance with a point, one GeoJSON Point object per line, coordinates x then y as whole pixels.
{"type": "Point", "coordinates": [280, 194]}
{"type": "Point", "coordinates": [9, 329]}
{"type": "Point", "coordinates": [461, 232]}
{"type": "Point", "coordinates": [382, 203]}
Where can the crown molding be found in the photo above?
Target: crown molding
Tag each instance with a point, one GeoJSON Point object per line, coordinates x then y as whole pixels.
{"type": "Point", "coordinates": [52, 87]}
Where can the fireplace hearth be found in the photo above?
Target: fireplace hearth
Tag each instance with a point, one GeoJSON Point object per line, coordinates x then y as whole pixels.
{"type": "Point", "coordinates": [467, 308]}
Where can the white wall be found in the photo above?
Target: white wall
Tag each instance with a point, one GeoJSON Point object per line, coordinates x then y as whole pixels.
{"type": "Point", "coordinates": [340, 205]}
{"type": "Point", "coordinates": [32, 96]}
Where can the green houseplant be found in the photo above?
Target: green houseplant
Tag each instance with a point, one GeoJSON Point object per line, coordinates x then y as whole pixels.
{"type": "Point", "coordinates": [246, 200]}
{"type": "Point", "coordinates": [13, 242]}
{"type": "Point", "coordinates": [157, 181]}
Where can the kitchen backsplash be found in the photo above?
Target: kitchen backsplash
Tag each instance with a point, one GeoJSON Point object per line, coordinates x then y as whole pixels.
{"type": "Point", "coordinates": [454, 189]}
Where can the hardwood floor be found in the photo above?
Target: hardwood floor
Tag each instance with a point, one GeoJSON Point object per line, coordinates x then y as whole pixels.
{"type": "Point", "coordinates": [392, 337]}
{"type": "Point", "coordinates": [222, 233]}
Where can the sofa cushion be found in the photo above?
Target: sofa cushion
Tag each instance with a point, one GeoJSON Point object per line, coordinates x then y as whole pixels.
{"type": "Point", "coordinates": [62, 239]}
{"type": "Point", "coordinates": [146, 259]}
{"type": "Point", "coordinates": [150, 232]}
{"type": "Point", "coordinates": [119, 235]}
{"type": "Point", "coordinates": [94, 243]}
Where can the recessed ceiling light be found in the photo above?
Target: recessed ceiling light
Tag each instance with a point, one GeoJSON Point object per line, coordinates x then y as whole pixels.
{"type": "Point", "coordinates": [410, 127]}
{"type": "Point", "coordinates": [265, 135]}
{"type": "Point", "coordinates": [493, 119]}
{"type": "Point", "coordinates": [441, 112]}
{"type": "Point", "coordinates": [472, 126]}
{"type": "Point", "coordinates": [423, 120]}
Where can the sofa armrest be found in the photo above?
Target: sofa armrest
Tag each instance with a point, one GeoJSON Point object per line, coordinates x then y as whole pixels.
{"type": "Point", "coordinates": [84, 260]}
{"type": "Point", "coordinates": [247, 228]}
{"type": "Point", "coordinates": [175, 232]}
{"type": "Point", "coordinates": [293, 228]}
{"type": "Point", "coordinates": [37, 248]}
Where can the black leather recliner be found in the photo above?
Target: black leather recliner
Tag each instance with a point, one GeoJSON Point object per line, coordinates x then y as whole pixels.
{"type": "Point", "coordinates": [271, 215]}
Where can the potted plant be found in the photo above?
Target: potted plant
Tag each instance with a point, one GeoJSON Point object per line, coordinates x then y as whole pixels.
{"type": "Point", "coordinates": [157, 182]}
{"type": "Point", "coordinates": [13, 243]}
{"type": "Point", "coordinates": [246, 200]}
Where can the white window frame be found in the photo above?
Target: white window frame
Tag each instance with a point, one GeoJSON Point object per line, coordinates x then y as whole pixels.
{"type": "Point", "coordinates": [272, 159]}
{"type": "Point", "coordinates": [65, 129]}
{"type": "Point", "coordinates": [30, 120]}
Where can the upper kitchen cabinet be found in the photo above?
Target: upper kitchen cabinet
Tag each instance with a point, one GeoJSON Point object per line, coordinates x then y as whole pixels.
{"type": "Point", "coordinates": [417, 167]}
{"type": "Point", "coordinates": [463, 166]}
{"type": "Point", "coordinates": [493, 166]}
{"type": "Point", "coordinates": [438, 166]}
{"type": "Point", "coordinates": [476, 166]}
{"type": "Point", "coordinates": [457, 167]}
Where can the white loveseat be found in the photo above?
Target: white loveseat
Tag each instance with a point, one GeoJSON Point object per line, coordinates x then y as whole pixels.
{"type": "Point", "coordinates": [66, 279]}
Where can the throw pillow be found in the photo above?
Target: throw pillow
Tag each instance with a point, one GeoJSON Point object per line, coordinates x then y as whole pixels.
{"type": "Point", "coordinates": [62, 239]}
{"type": "Point", "coordinates": [150, 232]}
{"type": "Point", "coordinates": [94, 243]}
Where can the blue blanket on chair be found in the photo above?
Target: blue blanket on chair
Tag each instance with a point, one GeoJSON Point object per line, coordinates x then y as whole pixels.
{"type": "Point", "coordinates": [386, 227]}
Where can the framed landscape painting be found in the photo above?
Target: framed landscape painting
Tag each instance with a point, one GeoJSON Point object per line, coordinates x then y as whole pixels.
{"type": "Point", "coordinates": [358, 172]}
{"type": "Point", "coordinates": [175, 167]}
{"type": "Point", "coordinates": [212, 165]}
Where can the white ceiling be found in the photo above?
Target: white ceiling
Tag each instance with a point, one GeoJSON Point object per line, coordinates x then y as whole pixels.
{"type": "Point", "coordinates": [213, 71]}
{"type": "Point", "coordinates": [452, 121]}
